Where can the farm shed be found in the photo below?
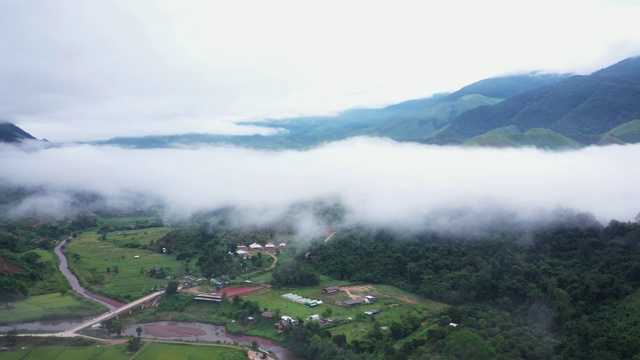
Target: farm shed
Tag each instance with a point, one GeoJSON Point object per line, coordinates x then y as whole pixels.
{"type": "Point", "coordinates": [331, 289]}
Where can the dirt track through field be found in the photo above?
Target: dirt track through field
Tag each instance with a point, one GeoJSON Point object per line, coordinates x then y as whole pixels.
{"type": "Point", "coordinates": [275, 262]}
{"type": "Point", "coordinates": [361, 288]}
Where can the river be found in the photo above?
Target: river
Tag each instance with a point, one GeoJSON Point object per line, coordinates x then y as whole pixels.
{"type": "Point", "coordinates": [174, 330]}
{"type": "Point", "coordinates": [75, 284]}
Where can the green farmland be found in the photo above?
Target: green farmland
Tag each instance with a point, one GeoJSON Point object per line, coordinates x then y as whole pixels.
{"type": "Point", "coordinates": [394, 305]}
{"type": "Point", "coordinates": [157, 351]}
{"type": "Point", "coordinates": [49, 306]}
{"type": "Point", "coordinates": [127, 279]}
{"type": "Point", "coordinates": [93, 352]}
{"type": "Point", "coordinates": [142, 237]}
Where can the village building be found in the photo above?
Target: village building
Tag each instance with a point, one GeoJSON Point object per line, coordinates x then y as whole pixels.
{"type": "Point", "coordinates": [255, 246]}
{"type": "Point", "coordinates": [331, 289]}
{"type": "Point", "coordinates": [268, 315]}
{"type": "Point", "coordinates": [351, 302]}
{"type": "Point", "coordinates": [270, 245]}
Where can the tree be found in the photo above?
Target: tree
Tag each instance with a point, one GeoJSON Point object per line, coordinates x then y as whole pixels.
{"type": "Point", "coordinates": [139, 331]}
{"type": "Point", "coordinates": [327, 313]}
{"type": "Point", "coordinates": [467, 345]}
{"type": "Point", "coordinates": [116, 327]}
{"type": "Point", "coordinates": [133, 345]}
{"type": "Point", "coordinates": [172, 287]}
{"type": "Point", "coordinates": [340, 340]}
{"type": "Point", "coordinates": [11, 337]}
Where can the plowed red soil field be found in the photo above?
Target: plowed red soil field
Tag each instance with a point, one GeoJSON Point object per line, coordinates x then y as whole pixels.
{"type": "Point", "coordinates": [233, 291]}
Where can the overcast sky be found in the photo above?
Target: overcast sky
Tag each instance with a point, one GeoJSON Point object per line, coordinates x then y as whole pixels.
{"type": "Point", "coordinates": [82, 70]}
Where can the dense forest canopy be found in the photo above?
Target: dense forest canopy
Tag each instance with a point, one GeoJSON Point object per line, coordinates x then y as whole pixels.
{"type": "Point", "coordinates": [566, 291]}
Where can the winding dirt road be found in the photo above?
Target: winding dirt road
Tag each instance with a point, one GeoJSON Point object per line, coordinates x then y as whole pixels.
{"type": "Point", "coordinates": [275, 262]}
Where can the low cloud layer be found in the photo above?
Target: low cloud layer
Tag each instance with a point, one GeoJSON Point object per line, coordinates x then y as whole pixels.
{"type": "Point", "coordinates": [378, 181]}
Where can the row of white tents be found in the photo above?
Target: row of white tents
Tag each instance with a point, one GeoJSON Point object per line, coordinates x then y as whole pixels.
{"type": "Point", "coordinates": [300, 300]}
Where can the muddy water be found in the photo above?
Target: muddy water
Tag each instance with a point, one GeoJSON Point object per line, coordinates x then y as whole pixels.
{"type": "Point", "coordinates": [47, 326]}
{"type": "Point", "coordinates": [198, 331]}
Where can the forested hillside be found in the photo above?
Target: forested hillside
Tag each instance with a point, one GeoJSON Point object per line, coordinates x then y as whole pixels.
{"type": "Point", "coordinates": [568, 291]}
{"type": "Point", "coordinates": [23, 270]}
{"type": "Point", "coordinates": [582, 108]}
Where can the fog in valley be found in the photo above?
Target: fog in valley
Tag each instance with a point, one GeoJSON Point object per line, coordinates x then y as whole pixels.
{"type": "Point", "coordinates": [379, 182]}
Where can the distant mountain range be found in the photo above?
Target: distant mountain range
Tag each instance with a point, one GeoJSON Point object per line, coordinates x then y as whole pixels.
{"type": "Point", "coordinates": [555, 111]}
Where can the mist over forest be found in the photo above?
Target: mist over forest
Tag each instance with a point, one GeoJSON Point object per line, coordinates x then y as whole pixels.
{"type": "Point", "coordinates": [377, 181]}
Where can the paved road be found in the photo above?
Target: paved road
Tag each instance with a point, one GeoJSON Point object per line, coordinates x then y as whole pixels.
{"type": "Point", "coordinates": [73, 280]}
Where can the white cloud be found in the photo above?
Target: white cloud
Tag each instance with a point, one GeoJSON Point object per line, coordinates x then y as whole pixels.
{"type": "Point", "coordinates": [382, 182]}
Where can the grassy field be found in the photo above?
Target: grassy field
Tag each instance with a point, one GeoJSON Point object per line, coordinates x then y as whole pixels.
{"type": "Point", "coordinates": [393, 304]}
{"type": "Point", "coordinates": [138, 237]}
{"type": "Point", "coordinates": [93, 352]}
{"type": "Point", "coordinates": [128, 221]}
{"type": "Point", "coordinates": [156, 351]}
{"type": "Point", "coordinates": [49, 306]}
{"type": "Point", "coordinates": [89, 257]}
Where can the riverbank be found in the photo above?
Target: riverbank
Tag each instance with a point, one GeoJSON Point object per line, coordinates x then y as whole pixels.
{"type": "Point", "coordinates": [111, 304]}
{"type": "Point", "coordinates": [200, 332]}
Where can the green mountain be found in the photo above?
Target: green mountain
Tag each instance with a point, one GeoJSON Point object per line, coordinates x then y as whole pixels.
{"type": "Point", "coordinates": [582, 108]}
{"type": "Point", "coordinates": [540, 138]}
{"type": "Point", "coordinates": [413, 120]}
{"type": "Point", "coordinates": [628, 132]}
{"type": "Point", "coordinates": [9, 133]}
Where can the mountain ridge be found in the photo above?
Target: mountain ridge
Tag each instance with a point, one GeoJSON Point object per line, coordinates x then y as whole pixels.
{"type": "Point", "coordinates": [10, 133]}
{"type": "Point", "coordinates": [582, 107]}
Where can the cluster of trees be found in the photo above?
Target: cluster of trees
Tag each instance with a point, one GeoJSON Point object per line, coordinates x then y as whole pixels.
{"type": "Point", "coordinates": [566, 291]}
{"type": "Point", "coordinates": [294, 273]}
{"type": "Point", "coordinates": [214, 251]}
{"type": "Point", "coordinates": [24, 268]}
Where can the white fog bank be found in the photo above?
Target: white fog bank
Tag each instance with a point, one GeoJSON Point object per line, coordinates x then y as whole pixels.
{"type": "Point", "coordinates": [379, 181]}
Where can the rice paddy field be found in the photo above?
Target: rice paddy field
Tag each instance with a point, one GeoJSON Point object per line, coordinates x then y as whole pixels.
{"type": "Point", "coordinates": [49, 306]}
{"type": "Point", "coordinates": [110, 268]}
{"type": "Point", "coordinates": [158, 351]}
{"type": "Point", "coordinates": [93, 352]}
{"type": "Point", "coordinates": [154, 351]}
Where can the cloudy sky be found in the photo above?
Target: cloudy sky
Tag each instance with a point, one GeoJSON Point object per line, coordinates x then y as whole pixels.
{"type": "Point", "coordinates": [82, 70]}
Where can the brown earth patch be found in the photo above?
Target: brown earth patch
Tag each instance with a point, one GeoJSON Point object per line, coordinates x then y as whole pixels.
{"type": "Point", "coordinates": [158, 330]}
{"type": "Point", "coordinates": [233, 291]}
{"type": "Point", "coordinates": [8, 268]}
{"type": "Point", "coordinates": [406, 300]}
{"type": "Point", "coordinates": [359, 289]}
